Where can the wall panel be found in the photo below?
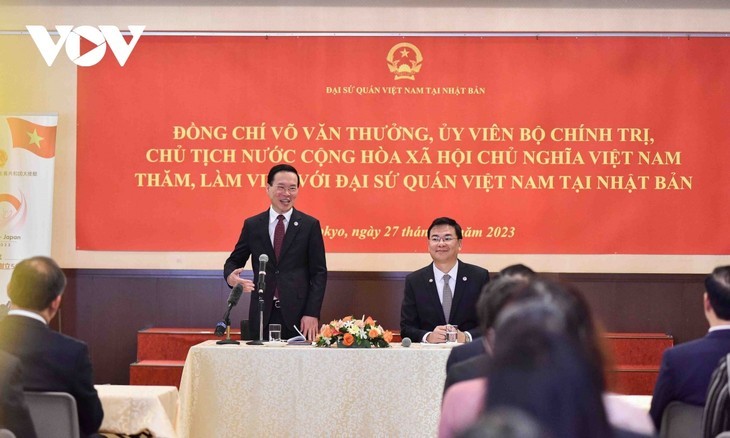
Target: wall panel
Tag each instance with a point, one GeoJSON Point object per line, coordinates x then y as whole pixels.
{"type": "Point", "coordinates": [106, 307]}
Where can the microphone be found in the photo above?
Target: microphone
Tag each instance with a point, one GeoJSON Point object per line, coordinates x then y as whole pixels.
{"type": "Point", "coordinates": [263, 258]}
{"type": "Point", "coordinates": [220, 328]}
{"type": "Point", "coordinates": [235, 296]}
{"type": "Point", "coordinates": [406, 342]}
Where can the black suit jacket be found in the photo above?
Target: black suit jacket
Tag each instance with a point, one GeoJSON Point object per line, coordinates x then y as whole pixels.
{"type": "Point", "coordinates": [472, 368]}
{"type": "Point", "coordinates": [463, 352]}
{"type": "Point", "coordinates": [53, 362]}
{"type": "Point", "coordinates": [14, 414]}
{"type": "Point", "coordinates": [301, 273]}
{"type": "Point", "coordinates": [685, 372]}
{"type": "Point", "coordinates": [421, 310]}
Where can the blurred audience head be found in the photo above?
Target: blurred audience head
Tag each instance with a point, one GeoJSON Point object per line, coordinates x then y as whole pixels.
{"type": "Point", "coordinates": [498, 292]}
{"type": "Point", "coordinates": [717, 286]}
{"type": "Point", "coordinates": [578, 320]}
{"type": "Point", "coordinates": [539, 369]}
{"type": "Point", "coordinates": [36, 283]}
{"type": "Point", "coordinates": [504, 423]}
{"type": "Point", "coordinates": [518, 270]}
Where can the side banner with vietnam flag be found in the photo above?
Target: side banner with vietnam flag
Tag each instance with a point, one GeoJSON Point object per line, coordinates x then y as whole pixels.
{"type": "Point", "coordinates": [27, 152]}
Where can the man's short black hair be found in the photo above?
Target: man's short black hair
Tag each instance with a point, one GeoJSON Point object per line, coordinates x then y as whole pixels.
{"type": "Point", "coordinates": [281, 168]}
{"type": "Point", "coordinates": [445, 221]}
{"type": "Point", "coordinates": [717, 286]}
{"type": "Point", "coordinates": [36, 282]}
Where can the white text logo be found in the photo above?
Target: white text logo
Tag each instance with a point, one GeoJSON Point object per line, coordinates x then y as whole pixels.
{"type": "Point", "coordinates": [71, 37]}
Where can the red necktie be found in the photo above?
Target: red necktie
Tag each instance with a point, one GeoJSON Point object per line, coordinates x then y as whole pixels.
{"type": "Point", "coordinates": [278, 241]}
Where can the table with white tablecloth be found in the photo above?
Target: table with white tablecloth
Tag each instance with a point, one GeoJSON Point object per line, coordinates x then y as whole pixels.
{"type": "Point", "coordinates": [284, 390]}
{"type": "Point", "coordinates": [129, 409]}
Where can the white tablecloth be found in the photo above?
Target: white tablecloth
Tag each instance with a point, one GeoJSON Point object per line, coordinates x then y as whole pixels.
{"type": "Point", "coordinates": [131, 408]}
{"type": "Point", "coordinates": [303, 391]}
{"type": "Point", "coordinates": [642, 402]}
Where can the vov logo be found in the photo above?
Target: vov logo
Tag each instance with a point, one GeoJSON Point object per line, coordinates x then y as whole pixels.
{"type": "Point", "coordinates": [71, 37]}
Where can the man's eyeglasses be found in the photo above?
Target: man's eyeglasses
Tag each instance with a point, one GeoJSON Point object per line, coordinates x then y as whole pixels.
{"type": "Point", "coordinates": [281, 189]}
{"type": "Point", "coordinates": [438, 239]}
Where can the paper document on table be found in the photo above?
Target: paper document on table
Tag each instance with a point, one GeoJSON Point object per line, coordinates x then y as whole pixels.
{"type": "Point", "coordinates": [298, 340]}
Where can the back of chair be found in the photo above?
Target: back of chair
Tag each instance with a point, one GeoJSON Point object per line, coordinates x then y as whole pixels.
{"type": "Point", "coordinates": [681, 420]}
{"type": "Point", "coordinates": [54, 414]}
{"type": "Point", "coordinates": [716, 418]}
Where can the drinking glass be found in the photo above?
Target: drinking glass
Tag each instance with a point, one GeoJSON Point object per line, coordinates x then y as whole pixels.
{"type": "Point", "coordinates": [451, 333]}
{"type": "Point", "coordinates": [275, 332]}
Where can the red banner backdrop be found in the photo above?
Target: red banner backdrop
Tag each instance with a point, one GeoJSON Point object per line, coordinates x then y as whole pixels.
{"type": "Point", "coordinates": [594, 145]}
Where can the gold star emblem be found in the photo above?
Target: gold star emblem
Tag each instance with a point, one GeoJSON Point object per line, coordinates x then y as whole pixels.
{"type": "Point", "coordinates": [404, 53]}
{"type": "Point", "coordinates": [34, 138]}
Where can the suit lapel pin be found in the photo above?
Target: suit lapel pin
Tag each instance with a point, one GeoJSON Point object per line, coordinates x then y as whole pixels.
{"type": "Point", "coordinates": [430, 280]}
{"type": "Point", "coordinates": [296, 224]}
{"type": "Point", "coordinates": [463, 278]}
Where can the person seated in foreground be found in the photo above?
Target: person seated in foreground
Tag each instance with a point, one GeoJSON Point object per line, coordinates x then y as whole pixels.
{"type": "Point", "coordinates": [14, 413]}
{"type": "Point", "coordinates": [50, 361]}
{"type": "Point", "coordinates": [4, 309]}
{"type": "Point", "coordinates": [544, 372]}
{"type": "Point", "coordinates": [565, 308]}
{"type": "Point", "coordinates": [686, 369]}
{"type": "Point", "coordinates": [479, 346]}
{"type": "Point", "coordinates": [496, 294]}
{"type": "Point", "coordinates": [445, 292]}
{"type": "Point", "coordinates": [505, 423]}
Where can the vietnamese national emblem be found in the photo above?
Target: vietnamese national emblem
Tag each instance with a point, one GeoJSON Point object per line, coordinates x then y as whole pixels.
{"type": "Point", "coordinates": [404, 59]}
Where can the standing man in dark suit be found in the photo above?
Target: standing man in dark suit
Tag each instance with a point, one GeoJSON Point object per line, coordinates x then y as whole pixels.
{"type": "Point", "coordinates": [444, 292]}
{"type": "Point", "coordinates": [296, 273]}
{"type": "Point", "coordinates": [50, 361]}
{"type": "Point", "coordinates": [14, 413]}
{"type": "Point", "coordinates": [686, 369]}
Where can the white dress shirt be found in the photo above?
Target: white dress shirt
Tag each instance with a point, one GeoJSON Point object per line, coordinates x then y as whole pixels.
{"type": "Point", "coordinates": [274, 218]}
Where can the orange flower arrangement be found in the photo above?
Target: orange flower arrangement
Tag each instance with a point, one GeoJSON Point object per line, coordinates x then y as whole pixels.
{"type": "Point", "coordinates": [353, 333]}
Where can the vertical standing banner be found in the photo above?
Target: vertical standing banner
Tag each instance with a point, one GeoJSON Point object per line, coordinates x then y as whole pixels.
{"type": "Point", "coordinates": [27, 152]}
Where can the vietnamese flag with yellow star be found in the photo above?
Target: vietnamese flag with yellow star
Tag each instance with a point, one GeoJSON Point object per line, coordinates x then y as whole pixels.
{"type": "Point", "coordinates": [26, 189]}
{"type": "Point", "coordinates": [39, 139]}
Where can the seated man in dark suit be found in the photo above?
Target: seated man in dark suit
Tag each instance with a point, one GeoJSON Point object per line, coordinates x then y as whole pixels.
{"type": "Point", "coordinates": [444, 292]}
{"type": "Point", "coordinates": [14, 414]}
{"type": "Point", "coordinates": [686, 369]}
{"type": "Point", "coordinates": [50, 361]}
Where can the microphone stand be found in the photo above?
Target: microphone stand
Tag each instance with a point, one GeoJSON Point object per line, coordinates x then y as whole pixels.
{"type": "Point", "coordinates": [261, 287]}
{"type": "Point", "coordinates": [227, 321]}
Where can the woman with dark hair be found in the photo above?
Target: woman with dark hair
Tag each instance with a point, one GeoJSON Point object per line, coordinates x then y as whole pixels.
{"type": "Point", "coordinates": [556, 309]}
{"type": "Point", "coordinates": [544, 374]}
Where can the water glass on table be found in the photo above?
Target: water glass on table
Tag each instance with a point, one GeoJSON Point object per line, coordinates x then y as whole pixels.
{"type": "Point", "coordinates": [451, 333]}
{"type": "Point", "coordinates": [275, 332]}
